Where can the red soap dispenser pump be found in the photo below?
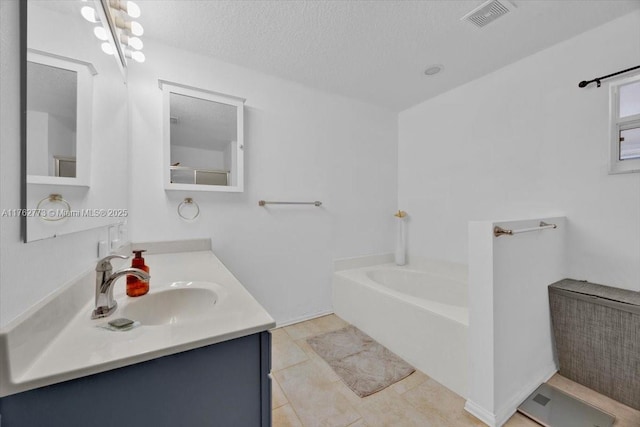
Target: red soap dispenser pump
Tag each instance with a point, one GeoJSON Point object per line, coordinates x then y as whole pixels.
{"type": "Point", "coordinates": [137, 287]}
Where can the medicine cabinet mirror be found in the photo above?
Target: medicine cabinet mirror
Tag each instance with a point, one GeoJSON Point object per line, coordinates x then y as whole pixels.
{"type": "Point", "coordinates": [74, 121]}
{"type": "Point", "coordinates": [203, 139]}
{"type": "Point", "coordinates": [59, 103]}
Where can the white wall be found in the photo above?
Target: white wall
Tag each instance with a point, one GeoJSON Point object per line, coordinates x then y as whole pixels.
{"type": "Point", "coordinates": [526, 139]}
{"type": "Point", "coordinates": [47, 137]}
{"type": "Point", "coordinates": [197, 158]}
{"type": "Point", "coordinates": [62, 142]}
{"type": "Point", "coordinates": [37, 143]}
{"type": "Point", "coordinates": [230, 161]}
{"type": "Point", "coordinates": [300, 144]}
{"type": "Point", "coordinates": [28, 272]}
{"type": "Point", "coordinates": [510, 340]}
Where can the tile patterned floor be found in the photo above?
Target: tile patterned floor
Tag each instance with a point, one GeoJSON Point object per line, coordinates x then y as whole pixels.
{"type": "Point", "coordinates": [307, 393]}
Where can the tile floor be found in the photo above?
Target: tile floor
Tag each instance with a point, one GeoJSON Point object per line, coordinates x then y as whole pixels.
{"type": "Point", "coordinates": [306, 392]}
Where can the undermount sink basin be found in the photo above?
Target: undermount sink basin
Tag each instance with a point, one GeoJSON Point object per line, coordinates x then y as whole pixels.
{"type": "Point", "coordinates": [179, 304]}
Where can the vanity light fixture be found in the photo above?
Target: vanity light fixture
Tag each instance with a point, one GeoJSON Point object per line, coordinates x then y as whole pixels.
{"type": "Point", "coordinates": [136, 55]}
{"type": "Point", "coordinates": [89, 14]}
{"type": "Point", "coordinates": [107, 48]}
{"type": "Point", "coordinates": [133, 42]}
{"type": "Point", "coordinates": [131, 26]}
{"type": "Point", "coordinates": [129, 7]}
{"type": "Point", "coordinates": [117, 32]}
{"type": "Point", "coordinates": [101, 33]}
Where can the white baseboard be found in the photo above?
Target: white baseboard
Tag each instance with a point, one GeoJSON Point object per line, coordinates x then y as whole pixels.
{"type": "Point", "coordinates": [303, 318]}
{"type": "Point", "coordinates": [503, 414]}
{"type": "Point", "coordinates": [480, 413]}
{"type": "Point", "coordinates": [510, 408]}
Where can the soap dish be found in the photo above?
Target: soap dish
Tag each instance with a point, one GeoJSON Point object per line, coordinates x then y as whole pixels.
{"type": "Point", "coordinates": [119, 325]}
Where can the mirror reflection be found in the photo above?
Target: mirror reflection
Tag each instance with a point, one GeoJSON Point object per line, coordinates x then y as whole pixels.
{"type": "Point", "coordinates": [203, 140]}
{"type": "Point", "coordinates": [75, 110]}
{"type": "Point", "coordinates": [51, 120]}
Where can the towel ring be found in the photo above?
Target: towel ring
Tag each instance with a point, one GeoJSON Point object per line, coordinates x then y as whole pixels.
{"type": "Point", "coordinates": [189, 204]}
{"type": "Point", "coordinates": [53, 202]}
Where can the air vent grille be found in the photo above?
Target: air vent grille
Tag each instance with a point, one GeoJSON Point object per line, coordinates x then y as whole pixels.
{"type": "Point", "coordinates": [486, 13]}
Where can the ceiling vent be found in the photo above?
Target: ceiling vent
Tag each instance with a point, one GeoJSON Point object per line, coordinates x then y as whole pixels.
{"type": "Point", "coordinates": [488, 12]}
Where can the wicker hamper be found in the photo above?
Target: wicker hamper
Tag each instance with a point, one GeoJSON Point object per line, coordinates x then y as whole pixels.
{"type": "Point", "coordinates": [597, 337]}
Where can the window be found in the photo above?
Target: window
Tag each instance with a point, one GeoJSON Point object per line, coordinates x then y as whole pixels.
{"type": "Point", "coordinates": [625, 126]}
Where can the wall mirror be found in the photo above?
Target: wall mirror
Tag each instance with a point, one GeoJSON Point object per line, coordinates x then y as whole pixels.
{"type": "Point", "coordinates": [75, 119]}
{"type": "Point", "coordinates": [59, 104]}
{"type": "Point", "coordinates": [203, 139]}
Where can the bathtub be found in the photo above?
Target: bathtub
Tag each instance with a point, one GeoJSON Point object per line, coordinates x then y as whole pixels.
{"type": "Point", "coordinates": [418, 311]}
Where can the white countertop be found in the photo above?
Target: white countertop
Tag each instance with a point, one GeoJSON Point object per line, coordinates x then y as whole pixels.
{"type": "Point", "coordinates": [80, 348]}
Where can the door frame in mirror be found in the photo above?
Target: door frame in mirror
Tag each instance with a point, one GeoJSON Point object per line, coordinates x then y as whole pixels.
{"type": "Point", "coordinates": [84, 107]}
{"type": "Point", "coordinates": [168, 88]}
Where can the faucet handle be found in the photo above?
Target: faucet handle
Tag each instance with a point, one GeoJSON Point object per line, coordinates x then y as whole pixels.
{"type": "Point", "coordinates": [105, 263]}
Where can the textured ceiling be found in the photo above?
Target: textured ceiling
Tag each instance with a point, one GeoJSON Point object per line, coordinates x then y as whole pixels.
{"type": "Point", "coordinates": [202, 124]}
{"type": "Point", "coordinates": [375, 51]}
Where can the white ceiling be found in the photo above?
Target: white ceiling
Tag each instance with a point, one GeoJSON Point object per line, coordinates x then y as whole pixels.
{"type": "Point", "coordinates": [375, 51]}
{"type": "Point", "coordinates": [202, 124]}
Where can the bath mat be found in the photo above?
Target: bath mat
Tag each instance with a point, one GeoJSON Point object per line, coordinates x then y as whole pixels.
{"type": "Point", "coordinates": [365, 366]}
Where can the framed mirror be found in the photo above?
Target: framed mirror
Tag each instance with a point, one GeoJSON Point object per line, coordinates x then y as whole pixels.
{"type": "Point", "coordinates": [74, 102]}
{"type": "Point", "coordinates": [203, 139]}
{"type": "Point", "coordinates": [59, 105]}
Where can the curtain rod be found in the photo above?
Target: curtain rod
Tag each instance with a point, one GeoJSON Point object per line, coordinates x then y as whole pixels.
{"type": "Point", "coordinates": [585, 83]}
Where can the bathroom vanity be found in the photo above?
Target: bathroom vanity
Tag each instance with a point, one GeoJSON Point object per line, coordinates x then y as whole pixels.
{"type": "Point", "coordinates": [225, 384]}
{"type": "Point", "coordinates": [185, 363]}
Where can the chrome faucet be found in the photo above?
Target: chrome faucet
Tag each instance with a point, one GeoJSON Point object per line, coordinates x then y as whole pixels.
{"type": "Point", "coordinates": [105, 279]}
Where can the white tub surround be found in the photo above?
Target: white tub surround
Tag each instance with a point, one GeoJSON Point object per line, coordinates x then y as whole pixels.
{"type": "Point", "coordinates": [362, 261]}
{"type": "Point", "coordinates": [57, 340]}
{"type": "Point", "coordinates": [418, 311]}
{"type": "Point", "coordinates": [510, 342]}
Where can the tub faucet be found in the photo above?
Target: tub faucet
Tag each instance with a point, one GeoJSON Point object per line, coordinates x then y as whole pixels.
{"type": "Point", "coordinates": [105, 279]}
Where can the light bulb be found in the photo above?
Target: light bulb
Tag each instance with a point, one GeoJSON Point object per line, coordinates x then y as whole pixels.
{"type": "Point", "coordinates": [133, 10]}
{"type": "Point", "coordinates": [135, 43]}
{"type": "Point", "coordinates": [138, 56]}
{"type": "Point", "coordinates": [89, 14]}
{"type": "Point", "coordinates": [132, 42]}
{"type": "Point", "coordinates": [101, 33]}
{"type": "Point", "coordinates": [107, 48]}
{"type": "Point", "coordinates": [136, 29]}
{"type": "Point", "coordinates": [132, 27]}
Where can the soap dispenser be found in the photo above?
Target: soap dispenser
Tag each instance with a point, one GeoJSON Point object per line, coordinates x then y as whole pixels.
{"type": "Point", "coordinates": [135, 286]}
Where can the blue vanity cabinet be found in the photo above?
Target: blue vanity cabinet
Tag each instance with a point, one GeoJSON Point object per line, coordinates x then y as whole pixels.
{"type": "Point", "coordinates": [225, 384]}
